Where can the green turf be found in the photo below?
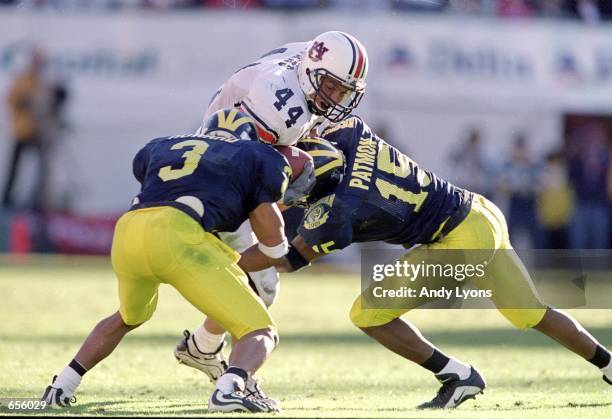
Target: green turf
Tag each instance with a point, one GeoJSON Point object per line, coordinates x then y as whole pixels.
{"type": "Point", "coordinates": [323, 366]}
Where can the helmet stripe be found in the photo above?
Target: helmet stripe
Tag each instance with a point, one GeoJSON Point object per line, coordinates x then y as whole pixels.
{"type": "Point", "coordinates": [360, 64]}
{"type": "Point", "coordinates": [221, 119]}
{"type": "Point", "coordinates": [327, 167]}
{"type": "Point", "coordinates": [314, 140]}
{"type": "Point", "coordinates": [324, 153]}
{"type": "Point", "coordinates": [354, 53]}
{"type": "Point", "coordinates": [236, 124]}
{"type": "Point", "coordinates": [232, 115]}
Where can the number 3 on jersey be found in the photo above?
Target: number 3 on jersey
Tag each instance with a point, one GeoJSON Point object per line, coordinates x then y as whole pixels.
{"type": "Point", "coordinates": [294, 113]}
{"type": "Point", "coordinates": [192, 158]}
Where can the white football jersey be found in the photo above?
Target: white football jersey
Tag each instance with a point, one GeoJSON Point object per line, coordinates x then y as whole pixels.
{"type": "Point", "coordinates": [269, 91]}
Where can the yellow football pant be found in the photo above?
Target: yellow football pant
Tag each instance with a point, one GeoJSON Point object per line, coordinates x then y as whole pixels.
{"type": "Point", "coordinates": [164, 245]}
{"type": "Point", "coordinates": [483, 229]}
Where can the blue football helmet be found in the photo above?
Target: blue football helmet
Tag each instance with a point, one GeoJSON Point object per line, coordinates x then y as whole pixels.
{"type": "Point", "coordinates": [230, 123]}
{"type": "Point", "coordinates": [329, 166]}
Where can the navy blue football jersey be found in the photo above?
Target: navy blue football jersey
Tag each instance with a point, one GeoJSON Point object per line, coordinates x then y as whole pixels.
{"type": "Point", "coordinates": [384, 196]}
{"type": "Point", "coordinates": [230, 177]}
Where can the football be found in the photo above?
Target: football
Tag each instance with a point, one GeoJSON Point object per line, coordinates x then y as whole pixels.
{"type": "Point", "coordinates": [297, 159]}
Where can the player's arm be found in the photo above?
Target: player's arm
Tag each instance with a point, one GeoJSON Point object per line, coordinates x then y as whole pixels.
{"type": "Point", "coordinates": [324, 230]}
{"type": "Point", "coordinates": [269, 227]}
{"type": "Point", "coordinates": [299, 254]}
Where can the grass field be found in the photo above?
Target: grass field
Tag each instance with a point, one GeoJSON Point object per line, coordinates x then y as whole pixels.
{"type": "Point", "coordinates": [323, 367]}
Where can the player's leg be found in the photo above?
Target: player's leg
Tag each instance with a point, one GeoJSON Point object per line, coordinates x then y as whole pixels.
{"type": "Point", "coordinates": [567, 331]}
{"type": "Point", "coordinates": [226, 299]}
{"type": "Point", "coordinates": [517, 299]}
{"type": "Point", "coordinates": [203, 349]}
{"type": "Point", "coordinates": [137, 298]}
{"type": "Point", "coordinates": [207, 276]}
{"type": "Point", "coordinates": [476, 233]}
{"type": "Point", "coordinates": [460, 381]}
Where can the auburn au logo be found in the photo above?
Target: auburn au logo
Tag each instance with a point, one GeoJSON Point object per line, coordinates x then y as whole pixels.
{"type": "Point", "coordinates": [317, 50]}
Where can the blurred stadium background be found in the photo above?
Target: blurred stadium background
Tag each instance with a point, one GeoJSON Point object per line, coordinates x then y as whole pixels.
{"type": "Point", "coordinates": [510, 98]}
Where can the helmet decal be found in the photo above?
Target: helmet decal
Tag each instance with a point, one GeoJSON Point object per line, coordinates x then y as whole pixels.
{"type": "Point", "coordinates": [317, 51]}
{"type": "Point", "coordinates": [231, 121]}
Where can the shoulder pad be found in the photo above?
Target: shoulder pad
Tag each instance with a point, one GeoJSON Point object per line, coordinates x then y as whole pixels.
{"type": "Point", "coordinates": [279, 108]}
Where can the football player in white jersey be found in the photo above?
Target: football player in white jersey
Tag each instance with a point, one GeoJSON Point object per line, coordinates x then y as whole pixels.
{"type": "Point", "coordinates": [291, 89]}
{"type": "Point", "coordinates": [289, 92]}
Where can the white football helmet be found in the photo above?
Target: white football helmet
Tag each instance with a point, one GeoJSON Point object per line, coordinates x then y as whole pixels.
{"type": "Point", "coordinates": [341, 57]}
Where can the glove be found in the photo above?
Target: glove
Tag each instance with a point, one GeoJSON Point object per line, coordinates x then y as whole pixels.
{"type": "Point", "coordinates": [300, 187]}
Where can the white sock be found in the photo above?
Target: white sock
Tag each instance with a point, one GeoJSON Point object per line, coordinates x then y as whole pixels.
{"type": "Point", "coordinates": [68, 380]}
{"type": "Point", "coordinates": [456, 367]}
{"type": "Point", "coordinates": [228, 383]}
{"type": "Point", "coordinates": [607, 371]}
{"type": "Point", "coordinates": [207, 342]}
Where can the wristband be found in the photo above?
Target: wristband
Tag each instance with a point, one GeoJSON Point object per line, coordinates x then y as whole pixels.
{"type": "Point", "coordinates": [295, 259]}
{"type": "Point", "coordinates": [275, 252]}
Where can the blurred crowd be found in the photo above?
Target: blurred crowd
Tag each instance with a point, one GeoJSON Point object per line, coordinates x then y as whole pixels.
{"type": "Point", "coordinates": [562, 200]}
{"type": "Point", "coordinates": [590, 11]}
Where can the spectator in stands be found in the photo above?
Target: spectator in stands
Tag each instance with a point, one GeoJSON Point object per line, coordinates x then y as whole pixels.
{"type": "Point", "coordinates": [589, 11]}
{"type": "Point", "coordinates": [555, 202]}
{"type": "Point", "coordinates": [469, 165]}
{"type": "Point", "coordinates": [30, 100]}
{"type": "Point", "coordinates": [517, 180]}
{"type": "Point", "coordinates": [591, 177]}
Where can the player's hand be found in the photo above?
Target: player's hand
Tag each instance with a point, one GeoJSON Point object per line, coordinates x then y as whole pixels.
{"type": "Point", "coordinates": [300, 187]}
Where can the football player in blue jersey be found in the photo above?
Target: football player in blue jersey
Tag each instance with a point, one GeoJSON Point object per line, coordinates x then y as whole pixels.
{"type": "Point", "coordinates": [193, 186]}
{"type": "Point", "coordinates": [367, 190]}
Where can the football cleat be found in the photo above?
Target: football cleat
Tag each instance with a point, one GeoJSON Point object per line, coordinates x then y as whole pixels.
{"type": "Point", "coordinates": [253, 389]}
{"type": "Point", "coordinates": [455, 391]}
{"type": "Point", "coordinates": [212, 364]}
{"type": "Point", "coordinates": [55, 396]}
{"type": "Point", "coordinates": [239, 402]}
